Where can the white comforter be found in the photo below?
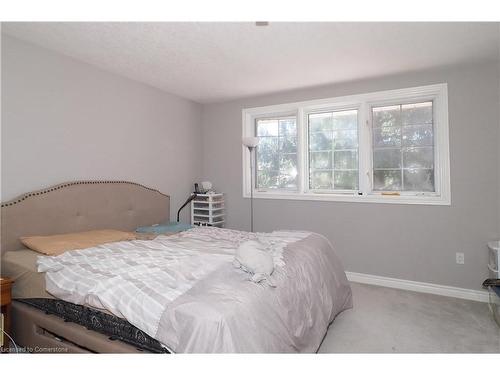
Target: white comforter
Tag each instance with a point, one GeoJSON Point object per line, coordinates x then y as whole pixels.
{"type": "Point", "coordinates": [184, 291]}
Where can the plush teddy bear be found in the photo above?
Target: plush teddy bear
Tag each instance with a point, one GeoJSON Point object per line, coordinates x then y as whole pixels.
{"type": "Point", "coordinates": [253, 257]}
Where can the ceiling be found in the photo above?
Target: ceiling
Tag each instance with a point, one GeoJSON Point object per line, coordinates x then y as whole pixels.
{"type": "Point", "coordinates": [212, 62]}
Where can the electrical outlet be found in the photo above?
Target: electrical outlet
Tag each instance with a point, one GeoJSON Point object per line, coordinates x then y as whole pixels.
{"type": "Point", "coordinates": [460, 258]}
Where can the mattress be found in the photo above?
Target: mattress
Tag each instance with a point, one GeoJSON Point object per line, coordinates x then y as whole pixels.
{"type": "Point", "coordinates": [21, 267]}
{"type": "Point", "coordinates": [29, 288]}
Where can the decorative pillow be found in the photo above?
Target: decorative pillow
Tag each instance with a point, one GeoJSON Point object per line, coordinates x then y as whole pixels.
{"type": "Point", "coordinates": [59, 243]}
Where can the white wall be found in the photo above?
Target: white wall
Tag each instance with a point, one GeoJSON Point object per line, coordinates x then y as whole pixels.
{"type": "Point", "coordinates": [64, 120]}
{"type": "Point", "coordinates": [402, 241]}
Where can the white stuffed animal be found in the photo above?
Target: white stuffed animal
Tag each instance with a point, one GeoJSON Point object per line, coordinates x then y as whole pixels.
{"type": "Point", "coordinates": [253, 257]}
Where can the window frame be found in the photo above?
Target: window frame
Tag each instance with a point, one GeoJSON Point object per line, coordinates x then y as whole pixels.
{"type": "Point", "coordinates": [437, 93]}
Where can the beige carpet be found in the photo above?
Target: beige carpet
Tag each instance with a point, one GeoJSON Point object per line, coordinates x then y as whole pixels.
{"type": "Point", "coordinates": [386, 320]}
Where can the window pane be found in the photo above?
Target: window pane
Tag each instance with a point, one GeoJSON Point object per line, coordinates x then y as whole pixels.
{"type": "Point", "coordinates": [422, 157]}
{"type": "Point", "coordinates": [403, 148]}
{"type": "Point", "coordinates": [345, 159]}
{"type": "Point", "coordinates": [267, 178]}
{"type": "Point", "coordinates": [419, 179]}
{"type": "Point", "coordinates": [387, 137]}
{"type": "Point", "coordinates": [276, 153]}
{"type": "Point", "coordinates": [387, 116]}
{"type": "Point", "coordinates": [288, 170]}
{"type": "Point", "coordinates": [346, 180]}
{"type": "Point", "coordinates": [417, 114]}
{"type": "Point", "coordinates": [287, 127]}
{"type": "Point", "coordinates": [333, 150]}
{"type": "Point", "coordinates": [321, 180]}
{"type": "Point", "coordinates": [288, 181]}
{"type": "Point", "coordinates": [320, 141]}
{"type": "Point", "coordinates": [267, 128]}
{"type": "Point", "coordinates": [386, 180]}
{"type": "Point", "coordinates": [345, 120]}
{"type": "Point", "coordinates": [267, 154]}
{"type": "Point", "coordinates": [387, 158]}
{"type": "Point", "coordinates": [321, 160]}
{"type": "Point", "coordinates": [345, 139]}
{"type": "Point", "coordinates": [320, 122]}
{"type": "Point", "coordinates": [287, 144]}
{"type": "Point", "coordinates": [417, 135]}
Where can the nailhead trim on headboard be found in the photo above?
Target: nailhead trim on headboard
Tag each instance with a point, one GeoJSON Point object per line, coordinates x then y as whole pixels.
{"type": "Point", "coordinates": [67, 184]}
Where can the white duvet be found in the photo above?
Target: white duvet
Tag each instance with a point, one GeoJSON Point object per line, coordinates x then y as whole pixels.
{"type": "Point", "coordinates": [184, 291]}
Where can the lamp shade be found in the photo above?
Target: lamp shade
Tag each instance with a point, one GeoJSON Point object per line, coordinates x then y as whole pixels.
{"type": "Point", "coordinates": [250, 142]}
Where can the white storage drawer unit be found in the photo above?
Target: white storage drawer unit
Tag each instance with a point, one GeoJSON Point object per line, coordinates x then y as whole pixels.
{"type": "Point", "coordinates": [208, 210]}
{"type": "Point", "coordinates": [494, 262]}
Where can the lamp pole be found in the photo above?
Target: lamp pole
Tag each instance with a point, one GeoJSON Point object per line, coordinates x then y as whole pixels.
{"type": "Point", "coordinates": [251, 149]}
{"type": "Point", "coordinates": [251, 143]}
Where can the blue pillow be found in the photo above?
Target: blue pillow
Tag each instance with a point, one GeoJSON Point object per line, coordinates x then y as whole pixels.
{"type": "Point", "coordinates": [164, 228]}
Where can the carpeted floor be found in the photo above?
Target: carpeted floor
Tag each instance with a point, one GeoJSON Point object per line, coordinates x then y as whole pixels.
{"type": "Point", "coordinates": [386, 320]}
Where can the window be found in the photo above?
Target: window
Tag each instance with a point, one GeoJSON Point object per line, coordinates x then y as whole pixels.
{"type": "Point", "coordinates": [333, 150]}
{"type": "Point", "coordinates": [403, 148]}
{"type": "Point", "coordinates": [389, 147]}
{"type": "Point", "coordinates": [276, 154]}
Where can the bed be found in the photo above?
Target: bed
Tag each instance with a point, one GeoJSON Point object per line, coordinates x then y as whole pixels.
{"type": "Point", "coordinates": [206, 305]}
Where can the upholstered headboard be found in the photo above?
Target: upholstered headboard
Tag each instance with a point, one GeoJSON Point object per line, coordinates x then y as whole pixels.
{"type": "Point", "coordinates": [80, 206]}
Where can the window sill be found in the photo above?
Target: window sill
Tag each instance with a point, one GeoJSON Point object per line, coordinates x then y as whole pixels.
{"type": "Point", "coordinates": [371, 198]}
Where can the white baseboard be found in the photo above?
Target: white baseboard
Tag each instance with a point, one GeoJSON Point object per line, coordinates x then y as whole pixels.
{"type": "Point", "coordinates": [417, 286]}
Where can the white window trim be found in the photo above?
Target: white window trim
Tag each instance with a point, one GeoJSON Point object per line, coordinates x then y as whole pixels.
{"type": "Point", "coordinates": [437, 93]}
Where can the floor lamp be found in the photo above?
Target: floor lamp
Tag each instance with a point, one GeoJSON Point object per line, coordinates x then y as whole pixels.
{"type": "Point", "coordinates": [251, 143]}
